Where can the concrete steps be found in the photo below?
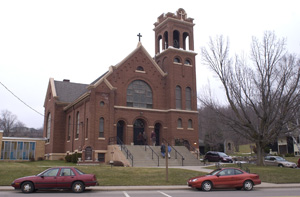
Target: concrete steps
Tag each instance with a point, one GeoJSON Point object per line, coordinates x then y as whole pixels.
{"type": "Point", "coordinates": [145, 157]}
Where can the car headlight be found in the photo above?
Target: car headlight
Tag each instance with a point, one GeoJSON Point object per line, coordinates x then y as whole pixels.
{"type": "Point", "coordinates": [193, 180]}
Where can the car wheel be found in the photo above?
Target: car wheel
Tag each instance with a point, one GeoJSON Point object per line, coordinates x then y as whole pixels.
{"type": "Point", "coordinates": [206, 186]}
{"type": "Point", "coordinates": [78, 187]}
{"type": "Point", "coordinates": [280, 165]}
{"type": "Point", "coordinates": [248, 185]}
{"type": "Point", "coordinates": [27, 187]}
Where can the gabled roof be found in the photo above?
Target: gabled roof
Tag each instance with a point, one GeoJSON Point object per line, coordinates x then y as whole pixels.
{"type": "Point", "coordinates": [139, 46]}
{"type": "Point", "coordinates": [67, 92]}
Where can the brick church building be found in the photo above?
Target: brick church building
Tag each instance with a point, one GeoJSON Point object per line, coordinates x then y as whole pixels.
{"type": "Point", "coordinates": [140, 94]}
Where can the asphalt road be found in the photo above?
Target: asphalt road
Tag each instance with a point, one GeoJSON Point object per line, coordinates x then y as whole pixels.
{"type": "Point", "coordinates": [257, 192]}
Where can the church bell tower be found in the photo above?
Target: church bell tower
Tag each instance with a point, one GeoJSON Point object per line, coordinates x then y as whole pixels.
{"type": "Point", "coordinates": [174, 53]}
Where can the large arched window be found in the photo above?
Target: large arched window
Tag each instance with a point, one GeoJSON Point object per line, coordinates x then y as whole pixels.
{"type": "Point", "coordinates": [178, 97]}
{"type": "Point", "coordinates": [139, 94]}
{"type": "Point", "coordinates": [188, 98]}
{"type": "Point", "coordinates": [48, 127]}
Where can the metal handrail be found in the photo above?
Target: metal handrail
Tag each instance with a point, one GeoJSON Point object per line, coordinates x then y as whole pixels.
{"type": "Point", "coordinates": [123, 147]}
{"type": "Point", "coordinates": [146, 145]}
{"type": "Point", "coordinates": [128, 153]}
{"type": "Point", "coordinates": [191, 147]}
{"type": "Point", "coordinates": [176, 152]}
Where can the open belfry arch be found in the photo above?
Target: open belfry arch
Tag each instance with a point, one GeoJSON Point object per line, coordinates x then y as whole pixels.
{"type": "Point", "coordinates": [139, 95]}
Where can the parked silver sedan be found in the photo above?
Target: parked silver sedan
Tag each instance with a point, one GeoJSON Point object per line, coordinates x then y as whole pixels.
{"type": "Point", "coordinates": [279, 161]}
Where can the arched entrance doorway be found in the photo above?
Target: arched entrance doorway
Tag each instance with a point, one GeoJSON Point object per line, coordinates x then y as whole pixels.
{"type": "Point", "coordinates": [138, 127]}
{"type": "Point", "coordinates": [120, 130]}
{"type": "Point", "coordinates": [157, 128]}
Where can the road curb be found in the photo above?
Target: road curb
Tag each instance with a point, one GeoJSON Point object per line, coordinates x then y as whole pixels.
{"type": "Point", "coordinates": [165, 187]}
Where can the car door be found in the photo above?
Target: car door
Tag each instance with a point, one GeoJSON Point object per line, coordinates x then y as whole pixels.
{"type": "Point", "coordinates": [271, 161]}
{"type": "Point", "coordinates": [65, 178]}
{"type": "Point", "coordinates": [214, 157]}
{"type": "Point", "coordinates": [225, 179]}
{"type": "Point", "coordinates": [238, 179]}
{"type": "Point", "coordinates": [47, 180]}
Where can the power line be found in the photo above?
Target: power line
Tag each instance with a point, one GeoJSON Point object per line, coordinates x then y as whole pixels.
{"type": "Point", "coordinates": [21, 99]}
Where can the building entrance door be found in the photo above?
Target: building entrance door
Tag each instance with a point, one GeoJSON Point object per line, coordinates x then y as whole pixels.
{"type": "Point", "coordinates": [139, 127]}
{"type": "Point", "coordinates": [157, 132]}
{"type": "Point", "coordinates": [120, 131]}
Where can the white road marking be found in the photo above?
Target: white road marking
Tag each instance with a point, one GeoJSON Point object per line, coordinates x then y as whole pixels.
{"type": "Point", "coordinates": [125, 193]}
{"type": "Point", "coordinates": [164, 194]}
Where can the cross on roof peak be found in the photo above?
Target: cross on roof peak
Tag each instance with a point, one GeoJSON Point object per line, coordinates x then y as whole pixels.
{"type": "Point", "coordinates": [139, 35]}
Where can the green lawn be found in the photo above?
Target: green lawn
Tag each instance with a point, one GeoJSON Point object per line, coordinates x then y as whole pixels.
{"type": "Point", "coordinates": [122, 176]}
{"type": "Point", "coordinates": [125, 176]}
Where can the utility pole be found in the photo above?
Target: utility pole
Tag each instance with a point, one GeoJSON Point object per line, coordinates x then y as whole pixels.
{"type": "Point", "coordinates": [167, 171]}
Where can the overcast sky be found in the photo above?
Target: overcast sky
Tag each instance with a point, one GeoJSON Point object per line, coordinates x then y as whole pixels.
{"type": "Point", "coordinates": [79, 40]}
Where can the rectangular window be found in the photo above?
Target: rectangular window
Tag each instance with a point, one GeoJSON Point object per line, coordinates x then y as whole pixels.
{"type": "Point", "coordinates": [188, 98]}
{"type": "Point", "coordinates": [14, 150]}
{"type": "Point", "coordinates": [101, 127]}
{"type": "Point", "coordinates": [69, 128]}
{"type": "Point", "coordinates": [77, 126]}
{"type": "Point", "coordinates": [101, 157]}
{"type": "Point", "coordinates": [20, 148]}
{"type": "Point", "coordinates": [190, 124]}
{"type": "Point", "coordinates": [87, 128]}
{"type": "Point", "coordinates": [26, 151]}
{"type": "Point", "coordinates": [31, 150]}
{"type": "Point", "coordinates": [178, 97]}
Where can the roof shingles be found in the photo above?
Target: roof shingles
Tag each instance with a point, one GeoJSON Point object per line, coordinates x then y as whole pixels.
{"type": "Point", "coordinates": [68, 92]}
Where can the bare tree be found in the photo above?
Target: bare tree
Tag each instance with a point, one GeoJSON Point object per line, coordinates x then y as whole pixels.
{"type": "Point", "coordinates": [211, 128]}
{"type": "Point", "coordinates": [7, 121]}
{"type": "Point", "coordinates": [263, 96]}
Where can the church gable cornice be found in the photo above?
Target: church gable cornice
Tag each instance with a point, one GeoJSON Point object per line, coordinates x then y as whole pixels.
{"type": "Point", "coordinates": [112, 68]}
{"type": "Point", "coordinates": [52, 86]}
{"type": "Point", "coordinates": [141, 47]}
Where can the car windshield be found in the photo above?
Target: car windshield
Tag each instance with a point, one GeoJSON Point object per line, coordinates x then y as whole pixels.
{"type": "Point", "coordinates": [40, 174]}
{"type": "Point", "coordinates": [215, 172]}
{"type": "Point", "coordinates": [223, 155]}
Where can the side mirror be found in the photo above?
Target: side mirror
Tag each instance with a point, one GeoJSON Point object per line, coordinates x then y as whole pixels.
{"type": "Point", "coordinates": [42, 176]}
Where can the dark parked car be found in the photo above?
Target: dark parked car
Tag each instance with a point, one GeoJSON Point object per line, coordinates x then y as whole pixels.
{"type": "Point", "coordinates": [56, 178]}
{"type": "Point", "coordinates": [225, 178]}
{"type": "Point", "coordinates": [279, 161]}
{"type": "Point", "coordinates": [213, 156]}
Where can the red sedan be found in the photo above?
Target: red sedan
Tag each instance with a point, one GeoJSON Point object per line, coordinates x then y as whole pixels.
{"type": "Point", "coordinates": [225, 178]}
{"type": "Point", "coordinates": [56, 178]}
